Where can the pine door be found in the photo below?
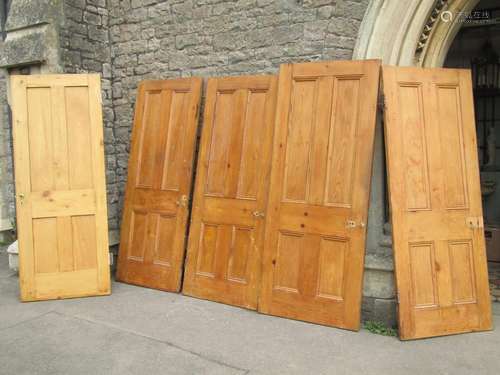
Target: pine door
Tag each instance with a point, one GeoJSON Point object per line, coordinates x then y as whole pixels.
{"type": "Point", "coordinates": [228, 218]}
{"type": "Point", "coordinates": [60, 186]}
{"type": "Point", "coordinates": [435, 198]}
{"type": "Point", "coordinates": [156, 208]}
{"type": "Point", "coordinates": [320, 182]}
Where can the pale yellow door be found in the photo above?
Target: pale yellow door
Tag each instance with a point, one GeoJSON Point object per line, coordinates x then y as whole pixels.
{"type": "Point", "coordinates": [60, 186]}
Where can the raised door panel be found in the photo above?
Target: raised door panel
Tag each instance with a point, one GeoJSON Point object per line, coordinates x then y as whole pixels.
{"type": "Point", "coordinates": [60, 186]}
{"type": "Point", "coordinates": [315, 236]}
{"type": "Point", "coordinates": [435, 202]}
{"type": "Point", "coordinates": [159, 182]}
{"type": "Point", "coordinates": [226, 232]}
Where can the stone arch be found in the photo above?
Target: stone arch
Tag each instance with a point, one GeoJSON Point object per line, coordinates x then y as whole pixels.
{"type": "Point", "coordinates": [409, 33]}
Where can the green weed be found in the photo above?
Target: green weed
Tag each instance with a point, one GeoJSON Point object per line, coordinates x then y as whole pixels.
{"type": "Point", "coordinates": [379, 328]}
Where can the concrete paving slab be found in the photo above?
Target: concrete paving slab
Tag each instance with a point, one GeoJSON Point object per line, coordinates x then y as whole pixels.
{"type": "Point", "coordinates": [13, 312]}
{"type": "Point", "coordinates": [172, 334]}
{"type": "Point", "coordinates": [57, 344]}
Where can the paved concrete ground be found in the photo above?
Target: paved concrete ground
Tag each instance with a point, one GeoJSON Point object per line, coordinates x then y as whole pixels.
{"type": "Point", "coordinates": [143, 331]}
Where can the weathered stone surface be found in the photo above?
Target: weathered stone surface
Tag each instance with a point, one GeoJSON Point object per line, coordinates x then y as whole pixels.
{"type": "Point", "coordinates": [25, 13]}
{"type": "Point", "coordinates": [381, 261]}
{"type": "Point", "coordinates": [26, 49]}
{"type": "Point", "coordinates": [325, 12]}
{"type": "Point", "coordinates": [85, 47]}
{"type": "Point", "coordinates": [379, 310]}
{"type": "Point", "coordinates": [379, 284]}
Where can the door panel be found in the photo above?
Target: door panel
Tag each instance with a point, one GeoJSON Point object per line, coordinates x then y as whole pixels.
{"type": "Point", "coordinates": [159, 181]}
{"type": "Point", "coordinates": [435, 201]}
{"type": "Point", "coordinates": [318, 205]}
{"type": "Point", "coordinates": [60, 186]}
{"type": "Point", "coordinates": [227, 225]}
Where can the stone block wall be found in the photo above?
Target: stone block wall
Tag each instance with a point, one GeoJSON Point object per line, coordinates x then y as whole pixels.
{"type": "Point", "coordinates": [86, 47]}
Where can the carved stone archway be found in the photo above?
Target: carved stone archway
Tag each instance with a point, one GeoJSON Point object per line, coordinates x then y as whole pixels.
{"type": "Point", "coordinates": [410, 32]}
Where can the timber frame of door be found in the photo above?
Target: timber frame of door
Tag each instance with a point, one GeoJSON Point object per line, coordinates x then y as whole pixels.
{"type": "Point", "coordinates": [435, 198]}
{"type": "Point", "coordinates": [320, 181]}
{"type": "Point", "coordinates": [155, 214]}
{"type": "Point", "coordinates": [60, 186]}
{"type": "Point", "coordinates": [227, 224]}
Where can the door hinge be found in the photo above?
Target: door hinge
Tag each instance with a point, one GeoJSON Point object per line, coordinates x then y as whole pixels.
{"type": "Point", "coordinates": [381, 102]}
{"type": "Point", "coordinates": [397, 298]}
{"type": "Point", "coordinates": [183, 201]}
{"type": "Point", "coordinates": [258, 214]}
{"type": "Point", "coordinates": [475, 222]}
{"type": "Point", "coordinates": [352, 224]}
{"type": "Point", "coordinates": [20, 196]}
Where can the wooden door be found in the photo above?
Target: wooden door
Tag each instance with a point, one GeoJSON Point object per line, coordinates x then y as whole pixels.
{"type": "Point", "coordinates": [435, 199]}
{"type": "Point", "coordinates": [60, 186]}
{"type": "Point", "coordinates": [156, 205]}
{"type": "Point", "coordinates": [321, 170]}
{"type": "Point", "coordinates": [228, 215]}
{"type": "Point", "coordinates": [320, 182]}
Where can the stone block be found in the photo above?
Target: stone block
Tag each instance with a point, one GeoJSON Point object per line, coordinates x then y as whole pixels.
{"type": "Point", "coordinates": [317, 3]}
{"type": "Point", "coordinates": [379, 284]}
{"type": "Point", "coordinates": [379, 310]}
{"type": "Point", "coordinates": [325, 12]}
{"type": "Point", "coordinates": [92, 18]}
{"type": "Point", "coordinates": [106, 70]}
{"type": "Point", "coordinates": [315, 30]}
{"type": "Point", "coordinates": [350, 9]}
{"type": "Point", "coordinates": [97, 33]}
{"type": "Point", "coordinates": [80, 4]}
{"type": "Point", "coordinates": [344, 27]}
{"type": "Point", "coordinates": [27, 49]}
{"type": "Point", "coordinates": [25, 13]}
{"type": "Point", "coordinates": [142, 3]}
{"type": "Point", "coordinates": [182, 41]}
{"type": "Point", "coordinates": [340, 42]}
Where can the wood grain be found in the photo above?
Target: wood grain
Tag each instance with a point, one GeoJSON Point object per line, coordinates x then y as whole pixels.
{"type": "Point", "coordinates": [157, 194]}
{"type": "Point", "coordinates": [433, 171]}
{"type": "Point", "coordinates": [227, 226]}
{"type": "Point", "coordinates": [60, 186]}
{"type": "Point", "coordinates": [320, 182]}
